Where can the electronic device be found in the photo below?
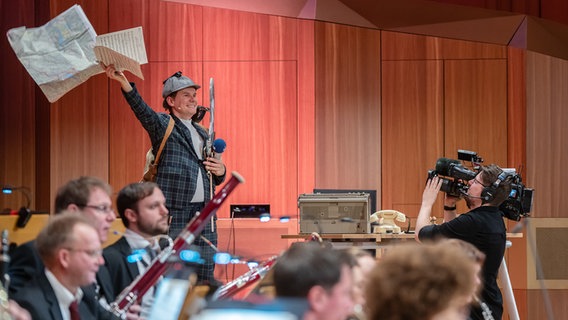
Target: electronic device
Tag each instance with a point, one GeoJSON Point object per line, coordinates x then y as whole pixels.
{"type": "Point", "coordinates": [372, 195]}
{"type": "Point", "coordinates": [334, 213]}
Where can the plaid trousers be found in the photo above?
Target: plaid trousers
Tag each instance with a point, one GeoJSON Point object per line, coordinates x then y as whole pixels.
{"type": "Point", "coordinates": [178, 223]}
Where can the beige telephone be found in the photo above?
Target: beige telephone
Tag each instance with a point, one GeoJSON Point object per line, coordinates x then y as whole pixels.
{"type": "Point", "coordinates": [385, 219]}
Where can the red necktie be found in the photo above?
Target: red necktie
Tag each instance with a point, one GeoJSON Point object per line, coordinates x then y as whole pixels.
{"type": "Point", "coordinates": [74, 310]}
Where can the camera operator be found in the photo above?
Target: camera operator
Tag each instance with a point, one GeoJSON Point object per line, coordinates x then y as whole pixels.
{"type": "Point", "coordinates": [482, 226]}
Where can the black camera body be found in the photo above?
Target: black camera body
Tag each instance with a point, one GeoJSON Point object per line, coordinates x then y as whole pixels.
{"type": "Point", "coordinates": [454, 188]}
{"type": "Point", "coordinates": [455, 176]}
{"type": "Point", "coordinates": [519, 202]}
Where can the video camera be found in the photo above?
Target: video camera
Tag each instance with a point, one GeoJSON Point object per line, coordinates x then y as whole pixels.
{"type": "Point", "coordinates": [455, 176]}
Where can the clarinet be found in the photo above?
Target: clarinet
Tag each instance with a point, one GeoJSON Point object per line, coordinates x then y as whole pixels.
{"type": "Point", "coordinates": [244, 281]}
{"type": "Point", "coordinates": [156, 269]}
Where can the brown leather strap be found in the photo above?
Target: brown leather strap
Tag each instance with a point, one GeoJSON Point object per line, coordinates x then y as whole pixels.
{"type": "Point", "coordinates": [169, 130]}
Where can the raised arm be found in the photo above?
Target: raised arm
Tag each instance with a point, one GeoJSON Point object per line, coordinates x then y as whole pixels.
{"type": "Point", "coordinates": [428, 198]}
{"type": "Point", "coordinates": [119, 76]}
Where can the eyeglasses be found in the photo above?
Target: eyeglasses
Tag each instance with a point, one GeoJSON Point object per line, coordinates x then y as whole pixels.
{"type": "Point", "coordinates": [96, 253]}
{"type": "Point", "coordinates": [102, 208]}
{"type": "Point", "coordinates": [177, 75]}
{"type": "Point", "coordinates": [477, 181]}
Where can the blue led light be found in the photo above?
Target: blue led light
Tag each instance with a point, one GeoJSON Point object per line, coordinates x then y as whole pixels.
{"type": "Point", "coordinates": [191, 256]}
{"type": "Point", "coordinates": [222, 258]}
{"type": "Point", "coordinates": [136, 256]}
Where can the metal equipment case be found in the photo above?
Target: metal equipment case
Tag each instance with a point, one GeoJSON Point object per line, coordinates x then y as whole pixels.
{"type": "Point", "coordinates": [334, 213]}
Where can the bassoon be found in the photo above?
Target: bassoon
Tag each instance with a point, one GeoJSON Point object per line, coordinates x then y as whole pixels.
{"type": "Point", "coordinates": [156, 269]}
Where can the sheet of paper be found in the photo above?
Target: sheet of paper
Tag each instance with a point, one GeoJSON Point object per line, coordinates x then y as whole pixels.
{"type": "Point", "coordinates": [61, 55]}
{"type": "Point", "coordinates": [124, 49]}
{"type": "Point", "coordinates": [120, 61]}
{"type": "Point", "coordinates": [129, 42]}
{"type": "Point", "coordinates": [59, 52]}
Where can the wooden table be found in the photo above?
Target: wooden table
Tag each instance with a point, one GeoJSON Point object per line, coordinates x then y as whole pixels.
{"type": "Point", "coordinates": [369, 241]}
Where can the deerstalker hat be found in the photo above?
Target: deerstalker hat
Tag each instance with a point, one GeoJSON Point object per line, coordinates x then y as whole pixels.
{"type": "Point", "coordinates": [177, 82]}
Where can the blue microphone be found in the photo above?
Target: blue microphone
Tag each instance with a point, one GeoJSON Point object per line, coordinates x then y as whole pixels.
{"type": "Point", "coordinates": [219, 146]}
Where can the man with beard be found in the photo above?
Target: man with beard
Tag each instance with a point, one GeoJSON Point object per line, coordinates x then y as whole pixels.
{"type": "Point", "coordinates": [142, 208]}
{"type": "Point", "coordinates": [482, 226]}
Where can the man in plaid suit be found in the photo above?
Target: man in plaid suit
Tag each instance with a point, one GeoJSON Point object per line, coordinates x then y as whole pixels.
{"type": "Point", "coordinates": [182, 169]}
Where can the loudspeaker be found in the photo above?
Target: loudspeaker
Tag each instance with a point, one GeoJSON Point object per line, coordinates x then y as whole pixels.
{"type": "Point", "coordinates": [488, 193]}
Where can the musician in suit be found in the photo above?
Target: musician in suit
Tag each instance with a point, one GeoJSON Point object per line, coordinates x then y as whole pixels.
{"type": "Point", "coordinates": [183, 169]}
{"type": "Point", "coordinates": [70, 248]}
{"type": "Point", "coordinates": [89, 196]}
{"type": "Point", "coordinates": [142, 208]}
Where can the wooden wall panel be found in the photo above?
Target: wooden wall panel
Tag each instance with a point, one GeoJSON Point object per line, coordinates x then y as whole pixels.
{"type": "Point", "coordinates": [80, 134]}
{"type": "Point", "coordinates": [537, 305]}
{"type": "Point", "coordinates": [475, 101]}
{"type": "Point", "coordinates": [404, 46]}
{"type": "Point", "coordinates": [258, 120]}
{"type": "Point", "coordinates": [306, 107]}
{"type": "Point", "coordinates": [412, 130]}
{"type": "Point", "coordinates": [18, 111]}
{"type": "Point", "coordinates": [172, 31]}
{"type": "Point", "coordinates": [348, 137]}
{"type": "Point", "coordinates": [175, 32]}
{"type": "Point", "coordinates": [547, 133]}
{"type": "Point", "coordinates": [516, 154]}
{"type": "Point", "coordinates": [242, 36]}
{"type": "Point", "coordinates": [517, 111]}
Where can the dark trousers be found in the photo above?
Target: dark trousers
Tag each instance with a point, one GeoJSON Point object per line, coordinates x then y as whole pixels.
{"type": "Point", "coordinates": [180, 219]}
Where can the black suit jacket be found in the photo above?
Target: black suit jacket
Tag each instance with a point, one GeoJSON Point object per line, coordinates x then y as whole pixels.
{"type": "Point", "coordinates": [122, 272]}
{"type": "Point", "coordinates": [38, 297]}
{"type": "Point", "coordinates": [26, 264]}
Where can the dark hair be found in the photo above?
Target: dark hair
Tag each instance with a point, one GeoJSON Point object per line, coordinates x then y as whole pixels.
{"type": "Point", "coordinates": [129, 196]}
{"type": "Point", "coordinates": [490, 175]}
{"type": "Point", "coordinates": [58, 233]}
{"type": "Point", "coordinates": [78, 191]}
{"type": "Point", "coordinates": [305, 265]}
{"type": "Point", "coordinates": [165, 103]}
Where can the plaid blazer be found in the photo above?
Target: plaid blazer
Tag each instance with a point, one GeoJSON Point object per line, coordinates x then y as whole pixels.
{"type": "Point", "coordinates": [179, 163]}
